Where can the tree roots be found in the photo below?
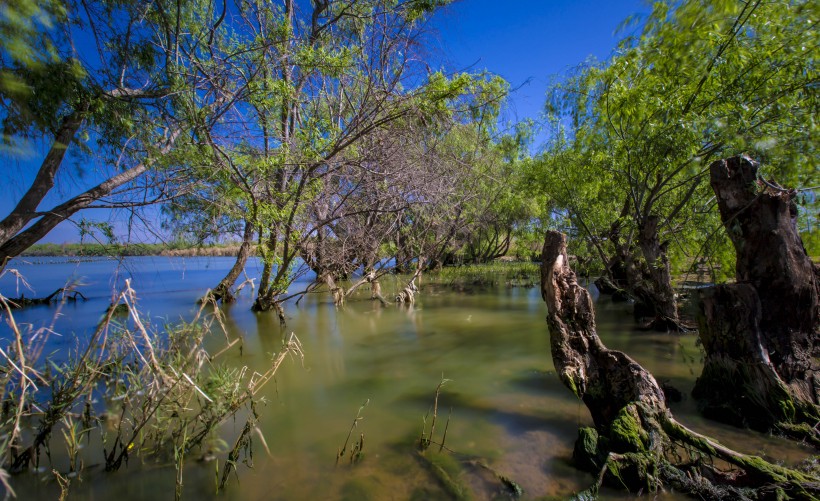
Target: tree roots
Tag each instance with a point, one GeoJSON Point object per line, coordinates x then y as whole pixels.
{"type": "Point", "coordinates": [636, 443]}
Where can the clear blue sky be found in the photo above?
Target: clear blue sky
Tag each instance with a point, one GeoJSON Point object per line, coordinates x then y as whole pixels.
{"type": "Point", "coordinates": [530, 43]}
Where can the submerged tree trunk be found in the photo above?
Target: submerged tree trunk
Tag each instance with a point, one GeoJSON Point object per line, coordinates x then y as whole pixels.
{"type": "Point", "coordinates": [760, 334]}
{"type": "Point", "coordinates": [411, 290]}
{"type": "Point", "coordinates": [636, 443]}
{"type": "Point", "coordinates": [222, 292]}
{"type": "Point", "coordinates": [337, 291]}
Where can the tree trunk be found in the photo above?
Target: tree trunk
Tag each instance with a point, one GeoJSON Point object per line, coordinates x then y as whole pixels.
{"type": "Point", "coordinates": [337, 292]}
{"type": "Point", "coordinates": [636, 443]}
{"type": "Point", "coordinates": [267, 302]}
{"type": "Point", "coordinates": [659, 296]}
{"type": "Point", "coordinates": [222, 292]}
{"type": "Point", "coordinates": [622, 273]}
{"type": "Point", "coordinates": [739, 385]}
{"type": "Point", "coordinates": [50, 219]}
{"type": "Point", "coordinates": [760, 334]}
{"type": "Point", "coordinates": [26, 208]}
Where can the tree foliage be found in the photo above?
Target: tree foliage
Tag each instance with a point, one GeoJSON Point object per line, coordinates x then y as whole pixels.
{"type": "Point", "coordinates": [702, 80]}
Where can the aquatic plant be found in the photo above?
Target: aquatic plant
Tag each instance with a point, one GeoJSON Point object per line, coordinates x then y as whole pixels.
{"type": "Point", "coordinates": [357, 448]}
{"type": "Point", "coordinates": [146, 393]}
{"type": "Point", "coordinates": [446, 465]}
{"type": "Point", "coordinates": [521, 274]}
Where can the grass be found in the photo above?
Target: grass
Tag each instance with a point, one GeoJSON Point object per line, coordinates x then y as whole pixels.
{"type": "Point", "coordinates": [525, 274]}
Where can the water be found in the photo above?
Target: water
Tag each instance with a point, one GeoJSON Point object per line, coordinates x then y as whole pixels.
{"type": "Point", "coordinates": [508, 407]}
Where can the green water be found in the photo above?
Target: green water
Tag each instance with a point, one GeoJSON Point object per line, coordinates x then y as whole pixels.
{"type": "Point", "coordinates": [508, 407]}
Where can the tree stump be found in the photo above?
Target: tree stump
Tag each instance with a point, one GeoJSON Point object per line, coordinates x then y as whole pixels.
{"type": "Point", "coordinates": [636, 443]}
{"type": "Point", "coordinates": [760, 333]}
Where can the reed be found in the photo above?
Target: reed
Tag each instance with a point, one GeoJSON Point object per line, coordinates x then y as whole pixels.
{"type": "Point", "coordinates": [145, 393]}
{"type": "Point", "coordinates": [358, 447]}
{"type": "Point", "coordinates": [424, 440]}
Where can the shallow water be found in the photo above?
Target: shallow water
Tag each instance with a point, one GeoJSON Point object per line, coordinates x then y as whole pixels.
{"type": "Point", "coordinates": [508, 407]}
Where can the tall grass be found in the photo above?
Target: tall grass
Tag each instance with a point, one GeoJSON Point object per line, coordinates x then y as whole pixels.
{"type": "Point", "coordinates": [524, 274]}
{"type": "Point", "coordinates": [142, 392]}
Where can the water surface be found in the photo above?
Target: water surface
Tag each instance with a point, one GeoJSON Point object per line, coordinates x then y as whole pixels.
{"type": "Point", "coordinates": [508, 407]}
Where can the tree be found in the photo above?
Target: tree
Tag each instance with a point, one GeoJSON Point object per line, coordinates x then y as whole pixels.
{"type": "Point", "coordinates": [322, 83]}
{"type": "Point", "coordinates": [636, 443]}
{"type": "Point", "coordinates": [702, 80]}
{"type": "Point", "coordinates": [127, 94]}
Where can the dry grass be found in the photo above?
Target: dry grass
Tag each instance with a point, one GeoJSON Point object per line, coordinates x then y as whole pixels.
{"type": "Point", "coordinates": [144, 392]}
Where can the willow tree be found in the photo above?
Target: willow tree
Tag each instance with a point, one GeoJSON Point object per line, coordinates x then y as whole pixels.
{"type": "Point", "coordinates": [403, 186]}
{"type": "Point", "coordinates": [702, 79]}
{"type": "Point", "coordinates": [492, 204]}
{"type": "Point", "coordinates": [320, 82]}
{"type": "Point", "coordinates": [342, 73]}
{"type": "Point", "coordinates": [102, 80]}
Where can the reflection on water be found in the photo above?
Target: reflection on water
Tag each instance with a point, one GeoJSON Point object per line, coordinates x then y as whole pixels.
{"type": "Point", "coordinates": [508, 407]}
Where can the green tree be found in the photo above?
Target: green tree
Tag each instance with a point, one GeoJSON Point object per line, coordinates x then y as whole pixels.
{"type": "Point", "coordinates": [116, 99]}
{"type": "Point", "coordinates": [704, 79]}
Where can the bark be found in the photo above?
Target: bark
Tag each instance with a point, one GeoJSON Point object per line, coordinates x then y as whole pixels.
{"type": "Point", "coordinates": [636, 442]}
{"type": "Point", "coordinates": [761, 333]}
{"type": "Point", "coordinates": [658, 296]}
{"type": "Point", "coordinates": [222, 292]}
{"type": "Point", "coordinates": [739, 385]}
{"type": "Point", "coordinates": [606, 380]}
{"type": "Point", "coordinates": [26, 208]}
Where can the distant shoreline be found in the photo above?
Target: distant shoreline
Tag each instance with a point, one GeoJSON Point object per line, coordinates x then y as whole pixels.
{"type": "Point", "coordinates": [114, 250]}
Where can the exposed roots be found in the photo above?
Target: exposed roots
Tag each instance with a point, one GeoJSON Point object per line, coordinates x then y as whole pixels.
{"type": "Point", "coordinates": [636, 443]}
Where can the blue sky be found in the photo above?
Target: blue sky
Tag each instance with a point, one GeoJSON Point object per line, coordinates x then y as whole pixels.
{"type": "Point", "coordinates": [530, 43]}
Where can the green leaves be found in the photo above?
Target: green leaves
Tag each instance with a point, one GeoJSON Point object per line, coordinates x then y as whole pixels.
{"type": "Point", "coordinates": [705, 79]}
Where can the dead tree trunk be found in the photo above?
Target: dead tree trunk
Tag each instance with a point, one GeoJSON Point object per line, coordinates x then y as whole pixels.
{"type": "Point", "coordinates": [636, 443]}
{"type": "Point", "coordinates": [760, 334]}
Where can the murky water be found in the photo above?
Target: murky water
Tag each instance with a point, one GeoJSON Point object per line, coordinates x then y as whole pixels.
{"type": "Point", "coordinates": [508, 408]}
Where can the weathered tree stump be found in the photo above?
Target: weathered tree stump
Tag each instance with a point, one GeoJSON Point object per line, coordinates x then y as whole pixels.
{"type": "Point", "coordinates": [760, 333]}
{"type": "Point", "coordinates": [636, 443]}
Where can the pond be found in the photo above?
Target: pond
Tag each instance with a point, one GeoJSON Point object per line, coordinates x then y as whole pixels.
{"type": "Point", "coordinates": [506, 407]}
